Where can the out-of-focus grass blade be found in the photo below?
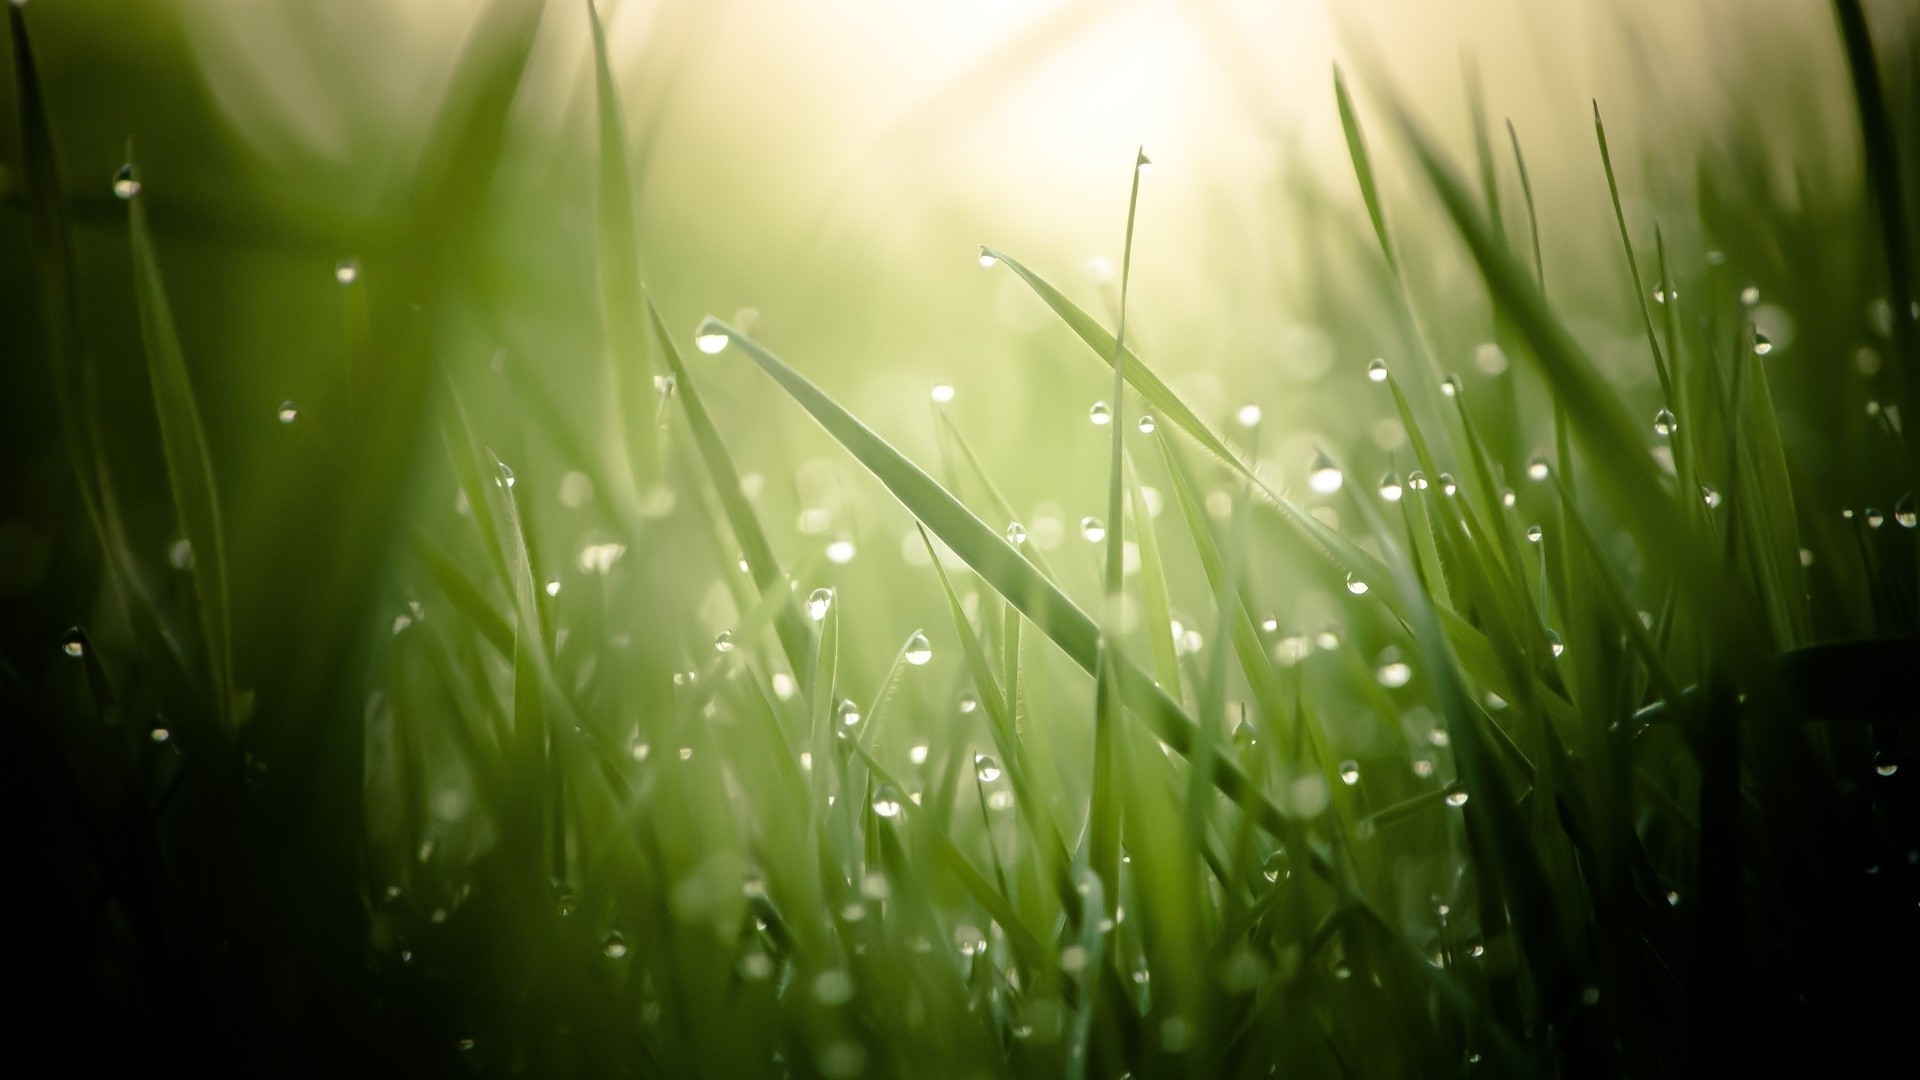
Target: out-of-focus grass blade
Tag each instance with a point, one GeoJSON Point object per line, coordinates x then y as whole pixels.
{"type": "Point", "coordinates": [465, 595]}
{"type": "Point", "coordinates": [1153, 589]}
{"type": "Point", "coordinates": [982, 548]}
{"type": "Point", "coordinates": [1633, 265]}
{"type": "Point", "coordinates": [1363, 167]}
{"type": "Point", "coordinates": [754, 545]}
{"type": "Point", "coordinates": [1533, 217]}
{"type": "Point", "coordinates": [629, 434]}
{"type": "Point", "coordinates": [183, 441]}
{"type": "Point", "coordinates": [1116, 521]}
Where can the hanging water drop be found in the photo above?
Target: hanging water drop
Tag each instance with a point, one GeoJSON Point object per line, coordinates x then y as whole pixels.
{"type": "Point", "coordinates": [1447, 485]}
{"type": "Point", "coordinates": [1457, 796]}
{"type": "Point", "coordinates": [919, 650]}
{"type": "Point", "coordinates": [1377, 371]}
{"type": "Point", "coordinates": [1537, 469]}
{"type": "Point", "coordinates": [1750, 295]}
{"type": "Point", "coordinates": [1761, 344]}
{"type": "Point", "coordinates": [711, 336]}
{"type": "Point", "coordinates": [1392, 672]}
{"type": "Point", "coordinates": [346, 271]}
{"type": "Point", "coordinates": [1709, 496]}
{"type": "Point", "coordinates": [1016, 533]}
{"type": "Point", "coordinates": [1390, 488]}
{"type": "Point", "coordinates": [1875, 518]}
{"type": "Point", "coordinates": [1146, 425]}
{"type": "Point", "coordinates": [1349, 772]}
{"type": "Point", "coordinates": [1450, 386]}
{"type": "Point", "coordinates": [1100, 414]}
{"type": "Point", "coordinates": [1663, 422]}
{"type": "Point", "coordinates": [74, 643]}
{"type": "Point", "coordinates": [817, 603]}
{"type": "Point", "coordinates": [886, 801]}
{"type": "Point", "coordinates": [664, 385]}
{"type": "Point", "coordinates": [841, 551]}
{"type": "Point", "coordinates": [1416, 481]}
{"type": "Point", "coordinates": [968, 702]}
{"type": "Point", "coordinates": [1356, 586]}
{"type": "Point", "coordinates": [986, 767]}
{"type": "Point", "coordinates": [987, 259]}
{"type": "Point", "coordinates": [1903, 512]}
{"type": "Point", "coordinates": [1322, 475]}
{"type": "Point", "coordinates": [1554, 642]}
{"type": "Point", "coordinates": [1534, 533]}
{"type": "Point", "coordinates": [723, 642]}
{"type": "Point", "coordinates": [848, 712]}
{"type": "Point", "coordinates": [1092, 529]}
{"type": "Point", "coordinates": [614, 945]}
{"type": "Point", "coordinates": [942, 393]}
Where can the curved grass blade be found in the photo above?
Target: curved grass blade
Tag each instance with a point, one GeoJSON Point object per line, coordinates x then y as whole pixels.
{"type": "Point", "coordinates": [628, 435]}
{"type": "Point", "coordinates": [1363, 167]}
{"type": "Point", "coordinates": [1003, 568]}
{"type": "Point", "coordinates": [183, 441]}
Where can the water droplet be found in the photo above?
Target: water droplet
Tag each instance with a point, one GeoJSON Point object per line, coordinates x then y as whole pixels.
{"type": "Point", "coordinates": [1554, 642]}
{"type": "Point", "coordinates": [1508, 498]}
{"type": "Point", "coordinates": [1322, 475]}
{"type": "Point", "coordinates": [505, 477]}
{"type": "Point", "coordinates": [1439, 737]}
{"type": "Point", "coordinates": [1664, 292]}
{"type": "Point", "coordinates": [1349, 772]}
{"type": "Point", "coordinates": [1356, 586]}
{"type": "Point", "coordinates": [848, 712]}
{"type": "Point", "coordinates": [1663, 422]}
{"type": "Point", "coordinates": [639, 749]}
{"type": "Point", "coordinates": [159, 734]}
{"type": "Point", "coordinates": [987, 260]}
{"type": "Point", "coordinates": [968, 702]}
{"type": "Point", "coordinates": [1393, 672]}
{"type": "Point", "coordinates": [1275, 866]}
{"type": "Point", "coordinates": [1377, 371]}
{"type": "Point", "coordinates": [553, 588]}
{"type": "Point", "coordinates": [1761, 345]}
{"type": "Point", "coordinates": [840, 552]}
{"type": "Point", "coordinates": [614, 945]}
{"type": "Point", "coordinates": [1416, 481]}
{"type": "Point", "coordinates": [1537, 469]}
{"type": "Point", "coordinates": [1146, 425]}
{"type": "Point", "coordinates": [1884, 764]}
{"type": "Point", "coordinates": [1422, 768]}
{"type": "Point", "coordinates": [1534, 533]}
{"type": "Point", "coordinates": [942, 393]}
{"type": "Point", "coordinates": [74, 643]}
{"type": "Point", "coordinates": [886, 801]}
{"type": "Point", "coordinates": [1456, 796]}
{"type": "Point", "coordinates": [346, 271]}
{"type": "Point", "coordinates": [1750, 295]}
{"type": "Point", "coordinates": [723, 641]}
{"type": "Point", "coordinates": [1016, 534]}
{"type": "Point", "coordinates": [986, 767]}
{"type": "Point", "coordinates": [919, 650]}
{"type": "Point", "coordinates": [1450, 386]}
{"type": "Point", "coordinates": [1390, 488]}
{"type": "Point", "coordinates": [1846, 513]}
{"type": "Point", "coordinates": [125, 184]}
{"type": "Point", "coordinates": [1249, 415]}
{"type": "Point", "coordinates": [710, 336]}
{"type": "Point", "coordinates": [1447, 486]}
{"type": "Point", "coordinates": [1100, 414]}
{"type": "Point", "coordinates": [1903, 512]}
{"type": "Point", "coordinates": [917, 753]}
{"type": "Point", "coordinates": [817, 603]}
{"type": "Point", "coordinates": [1875, 518]}
{"type": "Point", "coordinates": [1709, 496]}
{"type": "Point", "coordinates": [1092, 529]}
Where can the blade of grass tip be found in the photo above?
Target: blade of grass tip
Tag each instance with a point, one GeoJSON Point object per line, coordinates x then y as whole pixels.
{"type": "Point", "coordinates": [183, 442]}
{"type": "Point", "coordinates": [997, 562]}
{"type": "Point", "coordinates": [1116, 530]}
{"type": "Point", "coordinates": [1882, 155]}
{"type": "Point", "coordinates": [1483, 149]}
{"type": "Point", "coordinates": [629, 442]}
{"type": "Point", "coordinates": [1363, 167]}
{"type": "Point", "coordinates": [1633, 266]}
{"type": "Point", "coordinates": [754, 545]}
{"type": "Point", "coordinates": [465, 596]}
{"type": "Point", "coordinates": [1533, 217]}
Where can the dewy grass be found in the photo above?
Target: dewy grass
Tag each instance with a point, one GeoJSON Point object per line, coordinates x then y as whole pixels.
{"type": "Point", "coordinates": [1605, 767]}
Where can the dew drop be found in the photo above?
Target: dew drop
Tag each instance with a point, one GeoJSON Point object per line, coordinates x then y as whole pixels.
{"type": "Point", "coordinates": [1092, 529]}
{"type": "Point", "coordinates": [1100, 414]}
{"type": "Point", "coordinates": [288, 413]}
{"type": "Point", "coordinates": [917, 753]}
{"type": "Point", "coordinates": [817, 603]}
{"type": "Point", "coordinates": [1554, 642]}
{"type": "Point", "coordinates": [1884, 765]}
{"type": "Point", "coordinates": [1663, 422]}
{"type": "Point", "coordinates": [1709, 496]}
{"type": "Point", "coordinates": [1750, 295]}
{"type": "Point", "coordinates": [614, 945]}
{"type": "Point", "coordinates": [1416, 481]}
{"type": "Point", "coordinates": [1390, 488]}
{"type": "Point", "coordinates": [919, 650]}
{"type": "Point", "coordinates": [841, 551]}
{"type": "Point", "coordinates": [346, 271]}
{"type": "Point", "coordinates": [1016, 534]}
{"type": "Point", "coordinates": [1377, 371]}
{"type": "Point", "coordinates": [968, 702]}
{"type": "Point", "coordinates": [1393, 672]}
{"type": "Point", "coordinates": [886, 801]}
{"type": "Point", "coordinates": [723, 641]}
{"type": "Point", "coordinates": [987, 259]}
{"type": "Point", "coordinates": [125, 184]}
{"type": "Point", "coordinates": [1457, 796]}
{"type": "Point", "coordinates": [1450, 386]}
{"type": "Point", "coordinates": [1349, 772]}
{"type": "Point", "coordinates": [942, 393]}
{"type": "Point", "coordinates": [159, 734]}
{"type": "Point", "coordinates": [1356, 586]}
{"type": "Point", "coordinates": [74, 643]}
{"type": "Point", "coordinates": [1146, 425]}
{"type": "Point", "coordinates": [848, 712]}
{"type": "Point", "coordinates": [1322, 475]}
{"type": "Point", "coordinates": [1275, 866]}
{"type": "Point", "coordinates": [986, 767]}
{"type": "Point", "coordinates": [1534, 533]}
{"type": "Point", "coordinates": [1664, 292]}
{"type": "Point", "coordinates": [665, 385]}
{"type": "Point", "coordinates": [1249, 415]}
{"type": "Point", "coordinates": [1537, 469]}
{"type": "Point", "coordinates": [711, 336]}
{"type": "Point", "coordinates": [1903, 512]}
{"type": "Point", "coordinates": [1447, 485]}
{"type": "Point", "coordinates": [1875, 518]}
{"type": "Point", "coordinates": [1761, 344]}
{"type": "Point", "coordinates": [1508, 498]}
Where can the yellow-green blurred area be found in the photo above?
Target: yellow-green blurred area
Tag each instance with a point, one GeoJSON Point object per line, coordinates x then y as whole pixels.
{"type": "Point", "coordinates": [828, 170]}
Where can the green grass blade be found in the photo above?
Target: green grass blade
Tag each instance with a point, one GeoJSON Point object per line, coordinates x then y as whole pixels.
{"type": "Point", "coordinates": [1363, 167]}
{"type": "Point", "coordinates": [628, 434]}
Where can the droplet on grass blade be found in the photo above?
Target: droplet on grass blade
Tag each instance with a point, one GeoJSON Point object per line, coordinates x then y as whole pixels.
{"type": "Point", "coordinates": [1093, 529]}
{"type": "Point", "coordinates": [346, 271]}
{"type": "Point", "coordinates": [968, 702]}
{"type": "Point", "coordinates": [1447, 485]}
{"type": "Point", "coordinates": [987, 260]}
{"type": "Point", "coordinates": [1663, 422]}
{"type": "Point", "coordinates": [1356, 586]}
{"type": "Point", "coordinates": [1537, 469]}
{"type": "Point", "coordinates": [1349, 772]}
{"type": "Point", "coordinates": [1903, 512]}
{"type": "Point", "coordinates": [886, 801]}
{"type": "Point", "coordinates": [1275, 866]}
{"type": "Point", "coordinates": [1554, 642]}
{"type": "Point", "coordinates": [919, 650]}
{"type": "Point", "coordinates": [710, 336]}
{"type": "Point", "coordinates": [817, 603]}
{"type": "Point", "coordinates": [1249, 415]}
{"type": "Point", "coordinates": [1016, 533]}
{"type": "Point", "coordinates": [1534, 534]}
{"type": "Point", "coordinates": [1457, 796]}
{"type": "Point", "coordinates": [1450, 386]}
{"type": "Point", "coordinates": [848, 712]}
{"type": "Point", "coordinates": [1875, 518]}
{"type": "Point", "coordinates": [723, 642]}
{"type": "Point", "coordinates": [1146, 425]}
{"type": "Point", "coordinates": [986, 767]}
{"type": "Point", "coordinates": [1416, 481]}
{"type": "Point", "coordinates": [1884, 765]}
{"type": "Point", "coordinates": [125, 184]}
{"type": "Point", "coordinates": [1377, 371]}
{"type": "Point", "coordinates": [1709, 496]}
{"type": "Point", "coordinates": [1390, 487]}
{"type": "Point", "coordinates": [841, 551]}
{"type": "Point", "coordinates": [74, 643]}
{"type": "Point", "coordinates": [1323, 475]}
{"type": "Point", "coordinates": [614, 945]}
{"type": "Point", "coordinates": [1100, 414]}
{"type": "Point", "coordinates": [1750, 295]}
{"type": "Point", "coordinates": [1762, 345]}
{"type": "Point", "coordinates": [1392, 672]}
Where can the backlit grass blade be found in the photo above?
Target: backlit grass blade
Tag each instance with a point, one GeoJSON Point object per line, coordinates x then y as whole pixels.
{"type": "Point", "coordinates": [982, 548]}
{"type": "Point", "coordinates": [628, 437]}
{"type": "Point", "coordinates": [1363, 167]}
{"type": "Point", "coordinates": [183, 442]}
{"type": "Point", "coordinates": [1633, 265]}
{"type": "Point", "coordinates": [1116, 523]}
{"type": "Point", "coordinates": [1533, 217]}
